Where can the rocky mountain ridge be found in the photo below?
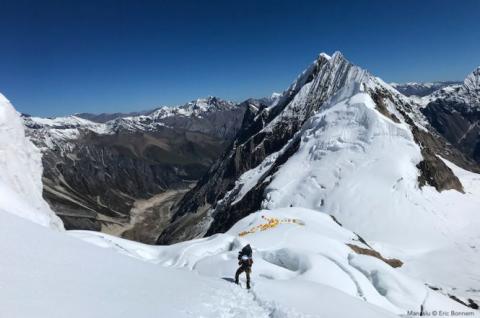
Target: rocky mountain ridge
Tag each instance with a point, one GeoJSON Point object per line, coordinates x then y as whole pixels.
{"type": "Point", "coordinates": [94, 172]}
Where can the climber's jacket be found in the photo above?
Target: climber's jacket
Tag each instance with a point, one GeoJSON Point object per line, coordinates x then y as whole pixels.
{"type": "Point", "coordinates": [245, 256]}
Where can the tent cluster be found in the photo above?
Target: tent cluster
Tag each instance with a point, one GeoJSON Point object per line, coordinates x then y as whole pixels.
{"type": "Point", "coordinates": [271, 223]}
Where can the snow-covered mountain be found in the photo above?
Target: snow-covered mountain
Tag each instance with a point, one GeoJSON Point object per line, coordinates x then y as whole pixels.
{"type": "Point", "coordinates": [104, 117]}
{"type": "Point", "coordinates": [193, 108]}
{"type": "Point", "coordinates": [466, 92]}
{"type": "Point", "coordinates": [95, 172]}
{"type": "Point", "coordinates": [343, 142]}
{"type": "Point", "coordinates": [454, 112]}
{"type": "Point", "coordinates": [70, 127]}
{"type": "Point", "coordinates": [423, 88]}
{"type": "Point", "coordinates": [270, 136]}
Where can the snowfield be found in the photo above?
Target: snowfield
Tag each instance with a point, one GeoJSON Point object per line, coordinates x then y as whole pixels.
{"type": "Point", "coordinates": [49, 274]}
{"type": "Point", "coordinates": [302, 267]}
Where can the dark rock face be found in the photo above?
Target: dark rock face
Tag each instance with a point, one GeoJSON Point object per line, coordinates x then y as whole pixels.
{"type": "Point", "coordinates": [379, 99]}
{"type": "Point", "coordinates": [228, 213]}
{"type": "Point", "coordinates": [436, 173]}
{"type": "Point", "coordinates": [458, 123]}
{"type": "Point", "coordinates": [455, 115]}
{"type": "Point", "coordinates": [105, 174]}
{"type": "Point", "coordinates": [92, 179]}
{"type": "Point", "coordinates": [218, 124]}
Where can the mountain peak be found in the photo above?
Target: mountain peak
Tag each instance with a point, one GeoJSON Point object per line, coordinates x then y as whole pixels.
{"type": "Point", "coordinates": [210, 102]}
{"type": "Point", "coordinates": [3, 99]}
{"type": "Point", "coordinates": [472, 81]}
{"type": "Point", "coordinates": [275, 95]}
{"type": "Point", "coordinates": [336, 57]}
{"type": "Point", "coordinates": [325, 56]}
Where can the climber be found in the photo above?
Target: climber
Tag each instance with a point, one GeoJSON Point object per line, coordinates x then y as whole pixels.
{"type": "Point", "coordinates": [245, 261]}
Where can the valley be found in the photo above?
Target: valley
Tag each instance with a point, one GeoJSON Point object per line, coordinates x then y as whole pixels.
{"type": "Point", "coordinates": [148, 217]}
{"type": "Point", "coordinates": [94, 172]}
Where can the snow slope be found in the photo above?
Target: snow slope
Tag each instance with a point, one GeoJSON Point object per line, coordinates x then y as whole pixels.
{"type": "Point", "coordinates": [49, 274]}
{"type": "Point", "coordinates": [360, 166]}
{"type": "Point", "coordinates": [302, 267]}
{"type": "Point", "coordinates": [21, 172]}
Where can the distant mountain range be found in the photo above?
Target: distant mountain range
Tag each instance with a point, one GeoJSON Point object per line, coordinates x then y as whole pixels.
{"type": "Point", "coordinates": [104, 117]}
{"type": "Point", "coordinates": [422, 89]}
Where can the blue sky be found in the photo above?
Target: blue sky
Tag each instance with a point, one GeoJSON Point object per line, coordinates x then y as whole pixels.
{"type": "Point", "coordinates": [61, 57]}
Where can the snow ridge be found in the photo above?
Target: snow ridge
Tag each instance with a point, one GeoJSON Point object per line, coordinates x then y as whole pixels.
{"type": "Point", "coordinates": [289, 271]}
{"type": "Point", "coordinates": [194, 108]}
{"type": "Point", "coordinates": [21, 172]}
{"type": "Point", "coordinates": [55, 132]}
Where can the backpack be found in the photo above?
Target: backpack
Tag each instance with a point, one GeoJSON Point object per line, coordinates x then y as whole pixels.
{"type": "Point", "coordinates": [246, 251]}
